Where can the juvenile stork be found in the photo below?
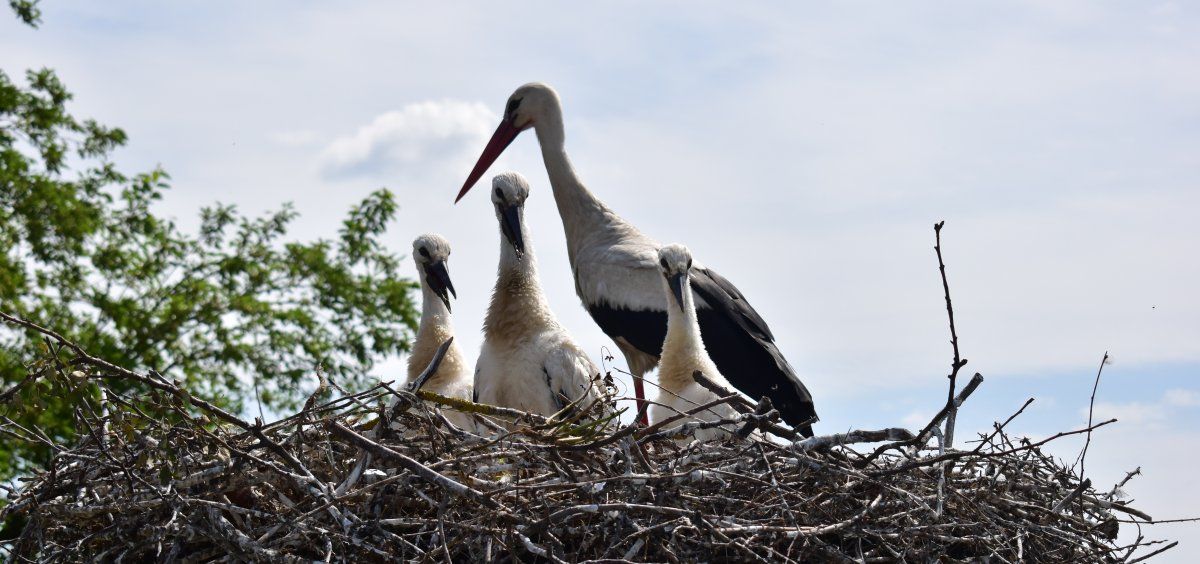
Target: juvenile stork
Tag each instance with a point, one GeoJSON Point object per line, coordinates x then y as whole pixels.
{"type": "Point", "coordinates": [616, 275]}
{"type": "Point", "coordinates": [453, 376]}
{"type": "Point", "coordinates": [528, 361]}
{"type": "Point", "coordinates": [683, 350]}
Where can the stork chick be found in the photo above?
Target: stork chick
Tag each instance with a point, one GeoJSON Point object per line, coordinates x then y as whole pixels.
{"type": "Point", "coordinates": [683, 351]}
{"type": "Point", "coordinates": [528, 361]}
{"type": "Point", "coordinates": [453, 377]}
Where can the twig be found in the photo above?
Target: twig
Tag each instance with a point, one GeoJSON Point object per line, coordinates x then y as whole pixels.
{"type": "Point", "coordinates": [743, 405]}
{"type": "Point", "coordinates": [958, 363]}
{"type": "Point", "coordinates": [1155, 553]}
{"type": "Point", "coordinates": [955, 455]}
{"type": "Point", "coordinates": [1091, 405]}
{"type": "Point", "coordinates": [891, 434]}
{"type": "Point", "coordinates": [432, 367]}
{"type": "Point", "coordinates": [413, 466]}
{"type": "Point", "coordinates": [1078, 491]}
{"type": "Point", "coordinates": [922, 437]}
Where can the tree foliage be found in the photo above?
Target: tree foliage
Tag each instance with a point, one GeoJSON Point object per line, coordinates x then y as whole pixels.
{"type": "Point", "coordinates": [27, 11]}
{"type": "Point", "coordinates": [234, 312]}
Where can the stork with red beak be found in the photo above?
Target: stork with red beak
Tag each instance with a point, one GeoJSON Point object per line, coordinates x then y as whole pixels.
{"type": "Point", "coordinates": [618, 280]}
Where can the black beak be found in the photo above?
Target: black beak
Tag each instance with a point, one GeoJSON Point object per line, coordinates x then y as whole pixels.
{"type": "Point", "coordinates": [510, 224]}
{"type": "Point", "coordinates": [676, 282]}
{"type": "Point", "coordinates": [438, 279]}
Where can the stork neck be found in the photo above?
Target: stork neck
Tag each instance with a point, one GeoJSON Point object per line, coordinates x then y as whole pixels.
{"type": "Point", "coordinates": [434, 329]}
{"type": "Point", "coordinates": [517, 296]}
{"type": "Point", "coordinates": [433, 309]}
{"type": "Point", "coordinates": [581, 212]}
{"type": "Point", "coordinates": [683, 329]}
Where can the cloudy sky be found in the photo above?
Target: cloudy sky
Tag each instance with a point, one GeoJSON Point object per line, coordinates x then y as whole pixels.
{"type": "Point", "coordinates": [803, 151]}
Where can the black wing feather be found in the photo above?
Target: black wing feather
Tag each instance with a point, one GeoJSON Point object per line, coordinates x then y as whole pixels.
{"type": "Point", "coordinates": [743, 348]}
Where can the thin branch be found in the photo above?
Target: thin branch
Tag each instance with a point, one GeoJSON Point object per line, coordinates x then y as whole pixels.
{"type": "Point", "coordinates": [1091, 405]}
{"type": "Point", "coordinates": [958, 362]}
{"type": "Point", "coordinates": [432, 368]}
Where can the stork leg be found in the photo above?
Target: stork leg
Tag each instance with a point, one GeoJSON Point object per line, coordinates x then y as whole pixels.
{"type": "Point", "coordinates": [639, 391]}
{"type": "Point", "coordinates": [639, 364]}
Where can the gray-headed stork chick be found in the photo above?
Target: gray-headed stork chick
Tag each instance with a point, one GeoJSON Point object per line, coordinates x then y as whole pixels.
{"type": "Point", "coordinates": [453, 376]}
{"type": "Point", "coordinates": [528, 361]}
{"type": "Point", "coordinates": [683, 351]}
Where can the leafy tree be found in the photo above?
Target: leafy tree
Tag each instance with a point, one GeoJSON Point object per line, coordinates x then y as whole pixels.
{"type": "Point", "coordinates": [235, 311]}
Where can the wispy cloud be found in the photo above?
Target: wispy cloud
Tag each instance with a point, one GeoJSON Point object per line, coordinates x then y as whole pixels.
{"type": "Point", "coordinates": [1150, 413]}
{"type": "Point", "coordinates": [418, 135]}
{"type": "Point", "coordinates": [1182, 398]}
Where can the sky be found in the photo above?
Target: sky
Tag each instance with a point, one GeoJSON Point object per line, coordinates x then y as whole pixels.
{"type": "Point", "coordinates": [803, 150]}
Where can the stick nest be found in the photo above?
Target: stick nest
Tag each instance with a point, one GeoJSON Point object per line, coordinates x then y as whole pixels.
{"type": "Point", "coordinates": [159, 476]}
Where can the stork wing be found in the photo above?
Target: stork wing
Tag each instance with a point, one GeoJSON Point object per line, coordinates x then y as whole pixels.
{"type": "Point", "coordinates": [743, 347]}
{"type": "Point", "coordinates": [719, 292]}
{"type": "Point", "coordinates": [569, 375]}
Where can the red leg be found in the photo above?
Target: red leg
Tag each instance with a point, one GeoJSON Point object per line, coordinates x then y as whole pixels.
{"type": "Point", "coordinates": [640, 392]}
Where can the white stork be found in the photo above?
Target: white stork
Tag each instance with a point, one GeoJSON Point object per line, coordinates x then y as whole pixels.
{"type": "Point", "coordinates": [453, 376]}
{"type": "Point", "coordinates": [616, 276]}
{"type": "Point", "coordinates": [683, 351]}
{"type": "Point", "coordinates": [528, 361]}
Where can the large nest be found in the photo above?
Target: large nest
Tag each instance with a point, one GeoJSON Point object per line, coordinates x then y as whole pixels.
{"type": "Point", "coordinates": [164, 476]}
{"type": "Point", "coordinates": [167, 476]}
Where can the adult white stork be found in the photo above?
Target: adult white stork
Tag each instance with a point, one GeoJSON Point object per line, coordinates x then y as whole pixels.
{"type": "Point", "coordinates": [528, 361]}
{"type": "Point", "coordinates": [453, 376]}
{"type": "Point", "coordinates": [683, 351]}
{"type": "Point", "coordinates": [617, 279]}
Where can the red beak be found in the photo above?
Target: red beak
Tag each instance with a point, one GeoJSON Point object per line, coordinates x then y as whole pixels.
{"type": "Point", "coordinates": [500, 141]}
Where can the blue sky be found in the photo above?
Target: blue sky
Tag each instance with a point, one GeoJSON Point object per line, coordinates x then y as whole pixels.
{"type": "Point", "coordinates": [805, 151]}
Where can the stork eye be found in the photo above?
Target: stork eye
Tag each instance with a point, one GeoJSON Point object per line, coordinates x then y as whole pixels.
{"type": "Point", "coordinates": [663, 262]}
{"type": "Point", "coordinates": [424, 252]}
{"type": "Point", "coordinates": [499, 194]}
{"type": "Point", "coordinates": [511, 108]}
{"type": "Point", "coordinates": [689, 264]}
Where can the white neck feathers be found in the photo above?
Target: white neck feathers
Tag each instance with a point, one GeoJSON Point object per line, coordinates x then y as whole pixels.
{"type": "Point", "coordinates": [517, 298]}
{"type": "Point", "coordinates": [434, 329]}
{"type": "Point", "coordinates": [582, 214]}
{"type": "Point", "coordinates": [683, 347]}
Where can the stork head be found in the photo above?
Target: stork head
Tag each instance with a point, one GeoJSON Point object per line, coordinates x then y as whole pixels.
{"type": "Point", "coordinates": [675, 262]}
{"type": "Point", "coordinates": [431, 253]}
{"type": "Point", "coordinates": [509, 191]}
{"type": "Point", "coordinates": [528, 105]}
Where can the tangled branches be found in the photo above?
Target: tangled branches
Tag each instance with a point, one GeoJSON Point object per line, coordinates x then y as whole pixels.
{"type": "Point", "coordinates": [162, 476]}
{"type": "Point", "coordinates": [166, 476]}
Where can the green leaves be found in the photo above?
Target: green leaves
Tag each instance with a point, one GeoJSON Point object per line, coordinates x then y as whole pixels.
{"type": "Point", "coordinates": [234, 308]}
{"type": "Point", "coordinates": [27, 11]}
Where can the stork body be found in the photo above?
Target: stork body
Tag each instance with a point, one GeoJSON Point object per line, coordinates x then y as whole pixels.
{"type": "Point", "coordinates": [683, 351]}
{"type": "Point", "coordinates": [528, 361]}
{"type": "Point", "coordinates": [616, 276]}
{"type": "Point", "coordinates": [453, 376]}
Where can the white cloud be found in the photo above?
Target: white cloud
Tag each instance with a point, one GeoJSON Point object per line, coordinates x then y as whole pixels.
{"type": "Point", "coordinates": [1138, 413]}
{"type": "Point", "coordinates": [417, 135]}
{"type": "Point", "coordinates": [1151, 414]}
{"type": "Point", "coordinates": [1182, 398]}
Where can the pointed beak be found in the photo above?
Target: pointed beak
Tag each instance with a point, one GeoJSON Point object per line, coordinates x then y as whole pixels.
{"type": "Point", "coordinates": [438, 279]}
{"type": "Point", "coordinates": [501, 139]}
{"type": "Point", "coordinates": [510, 224]}
{"type": "Point", "coordinates": [676, 282]}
